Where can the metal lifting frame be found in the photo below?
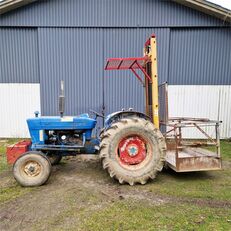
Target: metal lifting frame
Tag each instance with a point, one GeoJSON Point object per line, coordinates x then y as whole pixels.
{"type": "Point", "coordinates": [152, 95]}
{"type": "Point", "coordinates": [151, 82]}
{"type": "Point", "coordinates": [129, 64]}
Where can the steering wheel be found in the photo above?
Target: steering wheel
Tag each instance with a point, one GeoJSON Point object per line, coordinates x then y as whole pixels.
{"type": "Point", "coordinates": [97, 113]}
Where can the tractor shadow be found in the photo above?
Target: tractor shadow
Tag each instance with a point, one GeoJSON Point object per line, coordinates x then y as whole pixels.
{"type": "Point", "coordinates": [188, 176]}
{"type": "Point", "coordinates": [75, 171]}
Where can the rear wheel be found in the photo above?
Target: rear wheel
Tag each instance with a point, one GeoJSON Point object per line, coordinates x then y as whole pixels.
{"type": "Point", "coordinates": [132, 150]}
{"type": "Point", "coordinates": [32, 169]}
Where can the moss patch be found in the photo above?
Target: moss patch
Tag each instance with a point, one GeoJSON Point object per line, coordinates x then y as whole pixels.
{"type": "Point", "coordinates": [133, 215]}
{"type": "Point", "coordinates": [12, 192]}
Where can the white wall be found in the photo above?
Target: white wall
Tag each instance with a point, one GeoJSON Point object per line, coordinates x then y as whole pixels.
{"type": "Point", "coordinates": [212, 102]}
{"type": "Point", "coordinates": [17, 103]}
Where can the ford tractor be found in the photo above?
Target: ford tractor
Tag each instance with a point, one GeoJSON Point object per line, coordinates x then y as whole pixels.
{"type": "Point", "coordinates": [133, 146]}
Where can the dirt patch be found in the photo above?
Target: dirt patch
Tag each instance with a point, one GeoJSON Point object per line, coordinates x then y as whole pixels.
{"type": "Point", "coordinates": [75, 189]}
{"type": "Point", "coordinates": [73, 186]}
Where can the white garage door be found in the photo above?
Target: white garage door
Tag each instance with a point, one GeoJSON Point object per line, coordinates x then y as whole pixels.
{"type": "Point", "coordinates": [18, 102]}
{"type": "Point", "coordinates": [201, 101]}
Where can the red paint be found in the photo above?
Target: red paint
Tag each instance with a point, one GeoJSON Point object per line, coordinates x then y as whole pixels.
{"type": "Point", "coordinates": [125, 63]}
{"type": "Point", "coordinates": [147, 43]}
{"type": "Point", "coordinates": [129, 64]}
{"type": "Point", "coordinates": [132, 150]}
{"type": "Point", "coordinates": [16, 150]}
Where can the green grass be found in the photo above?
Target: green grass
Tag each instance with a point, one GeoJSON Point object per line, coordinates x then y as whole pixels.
{"type": "Point", "coordinates": [198, 205]}
{"type": "Point", "coordinates": [226, 149]}
{"type": "Point", "coordinates": [173, 201]}
{"type": "Point", "coordinates": [190, 201]}
{"type": "Point", "coordinates": [211, 185]}
{"type": "Point", "coordinates": [12, 192]}
{"type": "Point", "coordinates": [136, 215]}
{"type": "Point", "coordinates": [206, 185]}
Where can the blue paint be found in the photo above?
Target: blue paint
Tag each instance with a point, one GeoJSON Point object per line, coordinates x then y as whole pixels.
{"type": "Point", "coordinates": [42, 129]}
{"type": "Point", "coordinates": [115, 116]}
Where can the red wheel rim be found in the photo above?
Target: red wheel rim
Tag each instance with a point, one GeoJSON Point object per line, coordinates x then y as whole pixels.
{"type": "Point", "coordinates": [132, 150]}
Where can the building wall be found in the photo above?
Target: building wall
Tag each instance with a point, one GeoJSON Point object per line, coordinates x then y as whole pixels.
{"type": "Point", "coordinates": [48, 41]}
{"type": "Point", "coordinates": [107, 13]}
{"type": "Point", "coordinates": [200, 56]}
{"type": "Point", "coordinates": [19, 55]}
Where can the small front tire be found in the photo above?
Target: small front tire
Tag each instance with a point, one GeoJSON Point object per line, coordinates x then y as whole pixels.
{"type": "Point", "coordinates": [32, 169]}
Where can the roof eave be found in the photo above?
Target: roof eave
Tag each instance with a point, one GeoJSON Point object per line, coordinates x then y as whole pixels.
{"type": "Point", "coordinates": [200, 5]}
{"type": "Point", "coordinates": [9, 5]}
{"type": "Point", "coordinates": [208, 8]}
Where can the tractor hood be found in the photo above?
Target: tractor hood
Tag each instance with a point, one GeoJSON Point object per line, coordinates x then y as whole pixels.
{"type": "Point", "coordinates": [82, 121]}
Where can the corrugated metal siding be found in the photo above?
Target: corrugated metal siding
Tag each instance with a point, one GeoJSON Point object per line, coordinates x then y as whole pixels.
{"type": "Point", "coordinates": [212, 102]}
{"type": "Point", "coordinates": [200, 56]}
{"type": "Point", "coordinates": [107, 13]}
{"type": "Point", "coordinates": [78, 56]}
{"type": "Point", "coordinates": [19, 56]}
{"type": "Point", "coordinates": [18, 102]}
{"type": "Point", "coordinates": [122, 89]}
{"type": "Point", "coordinates": [67, 46]}
{"type": "Point", "coordinates": [225, 110]}
{"type": "Point", "coordinates": [75, 56]}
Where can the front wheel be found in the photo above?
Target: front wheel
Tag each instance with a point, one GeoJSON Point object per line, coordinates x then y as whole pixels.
{"type": "Point", "coordinates": [32, 169]}
{"type": "Point", "coordinates": [132, 150]}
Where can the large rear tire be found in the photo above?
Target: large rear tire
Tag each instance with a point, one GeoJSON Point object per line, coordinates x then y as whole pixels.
{"type": "Point", "coordinates": [32, 169]}
{"type": "Point", "coordinates": [132, 150]}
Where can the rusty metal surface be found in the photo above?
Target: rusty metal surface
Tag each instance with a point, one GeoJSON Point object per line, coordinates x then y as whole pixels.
{"type": "Point", "coordinates": [189, 155]}
{"type": "Point", "coordinates": [190, 160]}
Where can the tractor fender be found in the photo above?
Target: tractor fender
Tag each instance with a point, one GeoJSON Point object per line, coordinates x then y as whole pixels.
{"type": "Point", "coordinates": [116, 116]}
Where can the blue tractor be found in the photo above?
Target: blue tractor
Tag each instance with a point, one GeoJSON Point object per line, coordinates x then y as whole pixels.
{"type": "Point", "coordinates": [128, 140]}
{"type": "Point", "coordinates": [131, 146]}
